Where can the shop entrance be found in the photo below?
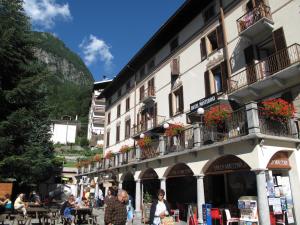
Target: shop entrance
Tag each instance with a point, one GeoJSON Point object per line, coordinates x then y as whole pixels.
{"type": "Point", "coordinates": [151, 184]}
{"type": "Point", "coordinates": [181, 188]}
{"type": "Point", "coordinates": [129, 186]}
{"type": "Point", "coordinates": [226, 180]}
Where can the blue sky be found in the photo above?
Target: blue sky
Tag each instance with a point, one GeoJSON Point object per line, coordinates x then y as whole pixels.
{"type": "Point", "coordinates": [105, 33]}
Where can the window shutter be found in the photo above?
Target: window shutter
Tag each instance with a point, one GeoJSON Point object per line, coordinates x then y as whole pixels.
{"type": "Point", "coordinates": [220, 37]}
{"type": "Point", "coordinates": [137, 123]}
{"type": "Point", "coordinates": [203, 49]}
{"type": "Point", "coordinates": [142, 93]}
{"type": "Point", "coordinates": [180, 93]}
{"type": "Point", "coordinates": [279, 39]}
{"type": "Point", "coordinates": [206, 82]}
{"type": "Point", "coordinates": [224, 76]}
{"type": "Point", "coordinates": [175, 70]}
{"type": "Point", "coordinates": [170, 105]}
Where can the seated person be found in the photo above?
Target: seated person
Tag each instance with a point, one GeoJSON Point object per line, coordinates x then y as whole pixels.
{"type": "Point", "coordinates": [7, 202]}
{"type": "Point", "coordinates": [34, 197]}
{"type": "Point", "coordinates": [66, 209]}
{"type": "Point", "coordinates": [20, 204]}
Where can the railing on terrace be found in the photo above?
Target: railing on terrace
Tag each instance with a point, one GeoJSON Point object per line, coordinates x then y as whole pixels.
{"type": "Point", "coordinates": [234, 126]}
{"type": "Point", "coordinates": [129, 156]}
{"type": "Point", "coordinates": [148, 124]}
{"type": "Point", "coordinates": [147, 93]}
{"type": "Point", "coordinates": [180, 142]}
{"type": "Point", "coordinates": [151, 151]}
{"type": "Point", "coordinates": [285, 128]}
{"type": "Point", "coordinates": [265, 68]}
{"type": "Point", "coordinates": [253, 16]}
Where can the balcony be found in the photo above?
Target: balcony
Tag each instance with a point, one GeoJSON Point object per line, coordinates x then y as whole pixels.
{"type": "Point", "coordinates": [255, 24]}
{"type": "Point", "coordinates": [129, 157]}
{"type": "Point", "coordinates": [148, 95]}
{"type": "Point", "coordinates": [151, 151]}
{"type": "Point", "coordinates": [148, 124]}
{"type": "Point", "coordinates": [99, 109]}
{"type": "Point", "coordinates": [181, 142]}
{"type": "Point", "coordinates": [98, 121]}
{"type": "Point", "coordinates": [270, 75]}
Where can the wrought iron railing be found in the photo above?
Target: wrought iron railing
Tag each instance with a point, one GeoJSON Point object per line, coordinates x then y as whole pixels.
{"type": "Point", "coordinates": [265, 68]}
{"type": "Point", "coordinates": [279, 127]}
{"type": "Point", "coordinates": [148, 124]}
{"type": "Point", "coordinates": [180, 142]}
{"type": "Point", "coordinates": [234, 126]}
{"type": "Point", "coordinates": [151, 151]}
{"type": "Point", "coordinates": [147, 93]}
{"type": "Point", "coordinates": [253, 16]}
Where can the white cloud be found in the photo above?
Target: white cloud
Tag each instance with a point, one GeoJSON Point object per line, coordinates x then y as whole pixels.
{"type": "Point", "coordinates": [44, 12]}
{"type": "Point", "coordinates": [95, 49]}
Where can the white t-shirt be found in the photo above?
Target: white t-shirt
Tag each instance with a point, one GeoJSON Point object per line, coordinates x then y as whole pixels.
{"type": "Point", "coordinates": [160, 208]}
{"type": "Point", "coordinates": [100, 194]}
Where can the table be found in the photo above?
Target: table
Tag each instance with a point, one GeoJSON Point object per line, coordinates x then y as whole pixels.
{"type": "Point", "coordinates": [39, 212]}
{"type": "Point", "coordinates": [81, 213]}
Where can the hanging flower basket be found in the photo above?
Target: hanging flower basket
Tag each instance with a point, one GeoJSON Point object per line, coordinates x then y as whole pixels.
{"type": "Point", "coordinates": [278, 109]}
{"type": "Point", "coordinates": [174, 130]}
{"type": "Point", "coordinates": [109, 155]}
{"type": "Point", "coordinates": [144, 142]}
{"type": "Point", "coordinates": [125, 149]}
{"type": "Point", "coordinates": [217, 115]}
{"type": "Point", "coordinates": [97, 158]}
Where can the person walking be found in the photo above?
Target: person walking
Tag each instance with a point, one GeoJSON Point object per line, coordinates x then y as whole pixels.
{"type": "Point", "coordinates": [115, 211]}
{"type": "Point", "coordinates": [159, 208]}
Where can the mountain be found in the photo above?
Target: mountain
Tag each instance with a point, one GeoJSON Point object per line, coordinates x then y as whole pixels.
{"type": "Point", "coordinates": [60, 60]}
{"type": "Point", "coordinates": [69, 84]}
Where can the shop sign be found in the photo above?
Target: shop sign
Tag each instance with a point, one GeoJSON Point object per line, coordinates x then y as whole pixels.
{"type": "Point", "coordinates": [279, 161]}
{"type": "Point", "coordinates": [203, 102]}
{"type": "Point", "coordinates": [226, 164]}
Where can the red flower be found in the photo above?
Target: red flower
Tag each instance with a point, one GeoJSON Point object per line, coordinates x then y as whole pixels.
{"type": "Point", "coordinates": [97, 157]}
{"type": "Point", "coordinates": [278, 109]}
{"type": "Point", "coordinates": [174, 129]}
{"type": "Point", "coordinates": [216, 115]}
{"type": "Point", "coordinates": [144, 142]}
{"type": "Point", "coordinates": [125, 148]}
{"type": "Point", "coordinates": [109, 155]}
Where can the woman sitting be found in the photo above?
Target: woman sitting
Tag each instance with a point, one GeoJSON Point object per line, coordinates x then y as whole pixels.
{"type": "Point", "coordinates": [159, 209]}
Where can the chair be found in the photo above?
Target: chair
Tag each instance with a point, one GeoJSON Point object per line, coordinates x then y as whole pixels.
{"type": "Point", "coordinates": [231, 219]}
{"type": "Point", "coordinates": [216, 215]}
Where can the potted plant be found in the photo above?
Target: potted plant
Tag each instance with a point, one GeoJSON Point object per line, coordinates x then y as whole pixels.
{"type": "Point", "coordinates": [125, 149]}
{"type": "Point", "coordinates": [174, 130]}
{"type": "Point", "coordinates": [97, 158]}
{"type": "Point", "coordinates": [147, 202]}
{"type": "Point", "coordinates": [278, 109]}
{"type": "Point", "coordinates": [108, 155]}
{"type": "Point", "coordinates": [145, 142]}
{"type": "Point", "coordinates": [217, 115]}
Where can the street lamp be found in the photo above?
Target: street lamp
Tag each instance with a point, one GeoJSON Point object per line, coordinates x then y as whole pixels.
{"type": "Point", "coordinates": [166, 125]}
{"type": "Point", "coordinates": [200, 111]}
{"type": "Point", "coordinates": [142, 136]}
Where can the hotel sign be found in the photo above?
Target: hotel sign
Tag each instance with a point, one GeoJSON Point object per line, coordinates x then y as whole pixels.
{"type": "Point", "coordinates": [203, 102]}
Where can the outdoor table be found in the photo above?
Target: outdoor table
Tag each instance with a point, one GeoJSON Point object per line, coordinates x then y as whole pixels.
{"type": "Point", "coordinates": [80, 214]}
{"type": "Point", "coordinates": [39, 212]}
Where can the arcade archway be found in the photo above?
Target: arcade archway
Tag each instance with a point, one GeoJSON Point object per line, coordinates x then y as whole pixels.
{"type": "Point", "coordinates": [150, 183]}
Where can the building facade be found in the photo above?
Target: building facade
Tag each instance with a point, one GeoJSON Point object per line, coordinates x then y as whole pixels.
{"type": "Point", "coordinates": [205, 111]}
{"type": "Point", "coordinates": [97, 114]}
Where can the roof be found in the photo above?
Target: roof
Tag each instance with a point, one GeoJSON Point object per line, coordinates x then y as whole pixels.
{"type": "Point", "coordinates": [185, 14]}
{"type": "Point", "coordinates": [101, 84]}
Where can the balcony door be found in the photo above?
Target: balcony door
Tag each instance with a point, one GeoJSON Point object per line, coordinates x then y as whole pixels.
{"type": "Point", "coordinates": [250, 65]}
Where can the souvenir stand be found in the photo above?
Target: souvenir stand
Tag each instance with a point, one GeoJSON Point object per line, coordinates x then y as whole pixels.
{"type": "Point", "coordinates": [248, 210]}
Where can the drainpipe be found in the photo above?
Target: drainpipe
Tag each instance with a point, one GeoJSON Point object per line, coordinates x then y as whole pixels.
{"type": "Point", "coordinates": [226, 54]}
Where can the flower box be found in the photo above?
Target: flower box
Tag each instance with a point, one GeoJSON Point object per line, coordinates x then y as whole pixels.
{"type": "Point", "coordinates": [217, 115]}
{"type": "Point", "coordinates": [174, 130]}
{"type": "Point", "coordinates": [278, 109]}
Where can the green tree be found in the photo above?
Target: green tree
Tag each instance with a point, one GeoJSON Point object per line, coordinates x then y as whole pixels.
{"type": "Point", "coordinates": [26, 152]}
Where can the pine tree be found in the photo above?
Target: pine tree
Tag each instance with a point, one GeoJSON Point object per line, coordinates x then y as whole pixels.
{"type": "Point", "coordinates": [26, 152]}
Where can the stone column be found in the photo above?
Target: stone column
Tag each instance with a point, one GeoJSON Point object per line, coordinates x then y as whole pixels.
{"type": "Point", "coordinates": [138, 153]}
{"type": "Point", "coordinates": [81, 190]}
{"type": "Point", "coordinates": [252, 118]}
{"type": "Point", "coordinates": [138, 198]}
{"type": "Point", "coordinates": [197, 134]}
{"type": "Point", "coordinates": [200, 197]}
{"type": "Point", "coordinates": [120, 185]}
{"type": "Point", "coordinates": [263, 204]}
{"type": "Point", "coordinates": [162, 145]}
{"type": "Point", "coordinates": [163, 185]}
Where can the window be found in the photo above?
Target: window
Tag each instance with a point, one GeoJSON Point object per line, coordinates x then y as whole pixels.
{"type": "Point", "coordinates": [108, 118]}
{"type": "Point", "coordinates": [216, 79]}
{"type": "Point", "coordinates": [127, 104]}
{"type": "Point", "coordinates": [176, 105]}
{"type": "Point", "coordinates": [107, 138]}
{"type": "Point", "coordinates": [127, 129]}
{"type": "Point", "coordinates": [208, 13]}
{"type": "Point", "coordinates": [173, 44]}
{"type": "Point", "coordinates": [142, 93]}
{"type": "Point", "coordinates": [175, 70]}
{"type": "Point", "coordinates": [119, 111]}
{"type": "Point", "coordinates": [151, 88]}
{"type": "Point", "coordinates": [142, 72]}
{"type": "Point", "coordinates": [117, 133]}
{"type": "Point", "coordinates": [212, 42]}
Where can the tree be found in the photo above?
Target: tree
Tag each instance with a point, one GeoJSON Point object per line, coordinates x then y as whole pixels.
{"type": "Point", "coordinates": [26, 152]}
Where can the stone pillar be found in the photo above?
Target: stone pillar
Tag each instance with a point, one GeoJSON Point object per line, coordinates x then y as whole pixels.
{"type": "Point", "coordinates": [120, 185]}
{"type": "Point", "coordinates": [121, 159]}
{"type": "Point", "coordinates": [252, 118]}
{"type": "Point", "coordinates": [200, 197]}
{"type": "Point", "coordinates": [197, 134]}
{"type": "Point", "coordinates": [162, 145]}
{"type": "Point", "coordinates": [138, 153]}
{"type": "Point", "coordinates": [263, 204]}
{"type": "Point", "coordinates": [163, 185]}
{"type": "Point", "coordinates": [81, 189]}
{"type": "Point", "coordinates": [138, 198]}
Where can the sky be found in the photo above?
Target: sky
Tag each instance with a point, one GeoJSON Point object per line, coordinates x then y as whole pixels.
{"type": "Point", "coordinates": [106, 34]}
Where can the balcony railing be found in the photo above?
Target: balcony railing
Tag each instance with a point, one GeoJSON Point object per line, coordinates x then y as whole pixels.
{"type": "Point", "coordinates": [180, 142]}
{"type": "Point", "coordinates": [265, 68]}
{"type": "Point", "coordinates": [148, 94]}
{"type": "Point", "coordinates": [151, 151]}
{"type": "Point", "coordinates": [234, 126]}
{"type": "Point", "coordinates": [148, 124]}
{"type": "Point", "coordinates": [129, 157]}
{"type": "Point", "coordinates": [276, 127]}
{"type": "Point", "coordinates": [250, 18]}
